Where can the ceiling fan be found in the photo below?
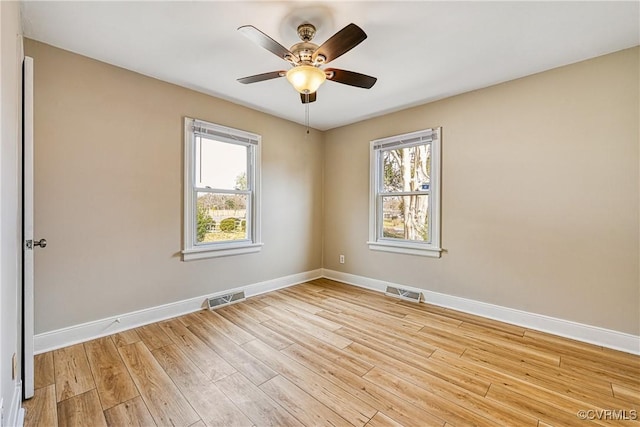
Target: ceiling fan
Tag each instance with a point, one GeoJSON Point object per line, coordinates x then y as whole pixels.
{"type": "Point", "coordinates": [306, 76]}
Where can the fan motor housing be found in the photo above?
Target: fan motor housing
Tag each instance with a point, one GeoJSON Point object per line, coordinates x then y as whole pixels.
{"type": "Point", "coordinates": [304, 51]}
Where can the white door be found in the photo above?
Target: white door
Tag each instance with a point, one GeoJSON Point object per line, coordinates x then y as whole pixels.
{"type": "Point", "coordinates": [27, 224]}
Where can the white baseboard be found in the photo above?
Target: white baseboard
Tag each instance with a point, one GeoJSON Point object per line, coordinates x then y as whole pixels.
{"type": "Point", "coordinates": [565, 328]}
{"type": "Point", "coordinates": [15, 417]}
{"type": "Point", "coordinates": [591, 334]}
{"type": "Point", "coordinates": [98, 328]}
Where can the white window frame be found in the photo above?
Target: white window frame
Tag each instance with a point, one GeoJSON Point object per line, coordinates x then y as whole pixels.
{"type": "Point", "coordinates": [376, 241]}
{"type": "Point", "coordinates": [191, 249]}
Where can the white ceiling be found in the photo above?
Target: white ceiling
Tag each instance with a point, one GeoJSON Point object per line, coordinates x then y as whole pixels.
{"type": "Point", "coordinates": [419, 51]}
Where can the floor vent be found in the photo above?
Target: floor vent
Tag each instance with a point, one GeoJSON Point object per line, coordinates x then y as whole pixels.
{"type": "Point", "coordinates": [222, 300]}
{"type": "Point", "coordinates": [403, 294]}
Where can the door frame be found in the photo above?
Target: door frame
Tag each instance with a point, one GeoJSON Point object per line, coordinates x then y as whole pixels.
{"type": "Point", "coordinates": [27, 230]}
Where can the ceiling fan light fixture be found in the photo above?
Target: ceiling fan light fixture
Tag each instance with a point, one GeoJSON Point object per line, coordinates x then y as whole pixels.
{"type": "Point", "coordinates": [306, 78]}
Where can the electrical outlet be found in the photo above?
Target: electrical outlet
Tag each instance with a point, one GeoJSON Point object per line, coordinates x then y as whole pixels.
{"type": "Point", "coordinates": [14, 366]}
{"type": "Point", "coordinates": [341, 259]}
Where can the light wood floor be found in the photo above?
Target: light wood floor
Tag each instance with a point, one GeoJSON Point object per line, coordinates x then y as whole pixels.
{"type": "Point", "coordinates": [325, 353]}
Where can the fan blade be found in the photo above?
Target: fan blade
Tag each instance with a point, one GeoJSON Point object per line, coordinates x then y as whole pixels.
{"type": "Point", "coordinates": [267, 42]}
{"type": "Point", "coordinates": [262, 77]}
{"type": "Point", "coordinates": [350, 78]}
{"type": "Point", "coordinates": [308, 97]}
{"type": "Point", "coordinates": [340, 43]}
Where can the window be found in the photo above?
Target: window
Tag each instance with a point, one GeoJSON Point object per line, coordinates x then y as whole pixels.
{"type": "Point", "coordinates": [404, 206]}
{"type": "Point", "coordinates": [221, 192]}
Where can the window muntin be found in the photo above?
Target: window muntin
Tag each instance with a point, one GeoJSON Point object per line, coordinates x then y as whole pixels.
{"type": "Point", "coordinates": [221, 191]}
{"type": "Point", "coordinates": [404, 206]}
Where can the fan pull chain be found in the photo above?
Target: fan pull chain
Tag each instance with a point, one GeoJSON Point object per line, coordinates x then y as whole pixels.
{"type": "Point", "coordinates": [306, 112]}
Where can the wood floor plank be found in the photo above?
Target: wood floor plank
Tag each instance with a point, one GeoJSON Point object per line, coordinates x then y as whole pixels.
{"type": "Point", "coordinates": [616, 356]}
{"type": "Point", "coordinates": [561, 401]}
{"type": "Point", "coordinates": [254, 403]}
{"type": "Point", "coordinates": [112, 379]}
{"type": "Point", "coordinates": [441, 341]}
{"type": "Point", "coordinates": [625, 393]}
{"type": "Point", "coordinates": [188, 319]}
{"type": "Point", "coordinates": [302, 324]}
{"type": "Point", "coordinates": [507, 345]}
{"type": "Point", "coordinates": [544, 411]}
{"type": "Point", "coordinates": [408, 341]}
{"type": "Point", "coordinates": [41, 409]}
{"type": "Point", "coordinates": [132, 413]}
{"type": "Point", "coordinates": [43, 370]}
{"type": "Point", "coordinates": [428, 372]}
{"type": "Point", "coordinates": [303, 406]}
{"type": "Point", "coordinates": [381, 420]}
{"type": "Point", "coordinates": [371, 320]}
{"type": "Point", "coordinates": [72, 373]}
{"type": "Point", "coordinates": [253, 369]}
{"type": "Point", "coordinates": [312, 298]}
{"type": "Point", "coordinates": [163, 399]}
{"type": "Point", "coordinates": [493, 341]}
{"type": "Point", "coordinates": [232, 331]}
{"type": "Point", "coordinates": [81, 410]}
{"type": "Point", "coordinates": [207, 360]}
{"type": "Point", "coordinates": [153, 336]}
{"type": "Point", "coordinates": [470, 318]}
{"type": "Point", "coordinates": [310, 286]}
{"type": "Point", "coordinates": [255, 303]}
{"type": "Point", "coordinates": [381, 320]}
{"type": "Point", "coordinates": [530, 382]}
{"type": "Point", "coordinates": [561, 344]}
{"type": "Point", "coordinates": [550, 377]}
{"type": "Point", "coordinates": [283, 306]}
{"type": "Point", "coordinates": [213, 406]}
{"type": "Point", "coordinates": [395, 407]}
{"type": "Point", "coordinates": [248, 322]}
{"type": "Point", "coordinates": [430, 401]}
{"type": "Point", "coordinates": [343, 378]}
{"type": "Point", "coordinates": [336, 355]}
{"type": "Point", "coordinates": [455, 405]}
{"type": "Point", "coordinates": [387, 347]}
{"type": "Point", "coordinates": [339, 400]}
{"type": "Point", "coordinates": [125, 337]}
{"type": "Point", "coordinates": [369, 302]}
{"type": "Point", "coordinates": [248, 312]}
{"type": "Point", "coordinates": [607, 371]}
{"type": "Point", "coordinates": [283, 296]}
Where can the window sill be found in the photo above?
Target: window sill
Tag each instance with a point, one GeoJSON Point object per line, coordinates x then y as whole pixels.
{"type": "Point", "coordinates": [214, 252]}
{"type": "Point", "coordinates": [405, 248]}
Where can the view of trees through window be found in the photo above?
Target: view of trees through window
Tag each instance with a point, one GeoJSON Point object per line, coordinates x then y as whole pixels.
{"type": "Point", "coordinates": [222, 216]}
{"type": "Point", "coordinates": [405, 191]}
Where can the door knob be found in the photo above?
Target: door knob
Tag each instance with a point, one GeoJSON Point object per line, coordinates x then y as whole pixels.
{"type": "Point", "coordinates": [31, 243]}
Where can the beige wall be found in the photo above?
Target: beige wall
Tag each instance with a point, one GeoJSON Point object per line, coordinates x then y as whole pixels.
{"type": "Point", "coordinates": [540, 194]}
{"type": "Point", "coordinates": [539, 199]}
{"type": "Point", "coordinates": [108, 180]}
{"type": "Point", "coordinates": [10, 202]}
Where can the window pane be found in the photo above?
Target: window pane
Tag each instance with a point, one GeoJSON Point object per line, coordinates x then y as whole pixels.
{"type": "Point", "coordinates": [221, 217]}
{"type": "Point", "coordinates": [220, 165]}
{"type": "Point", "coordinates": [406, 217]}
{"type": "Point", "coordinates": [407, 169]}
